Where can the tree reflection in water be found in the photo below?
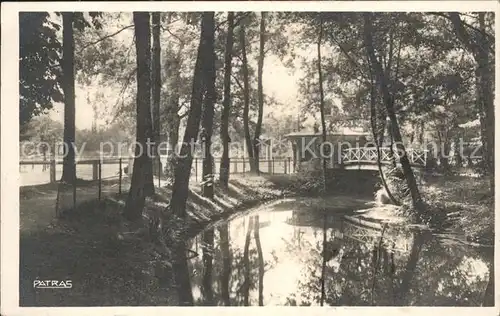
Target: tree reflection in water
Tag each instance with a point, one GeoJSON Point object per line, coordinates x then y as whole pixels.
{"type": "Point", "coordinates": [284, 265]}
{"type": "Point", "coordinates": [208, 250]}
{"type": "Point", "coordinates": [226, 263]}
{"type": "Point", "coordinates": [256, 229]}
{"type": "Point", "coordinates": [181, 275]}
{"type": "Point", "coordinates": [246, 262]}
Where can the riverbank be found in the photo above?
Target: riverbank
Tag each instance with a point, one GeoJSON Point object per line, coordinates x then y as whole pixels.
{"type": "Point", "coordinates": [459, 205]}
{"type": "Point", "coordinates": [469, 202]}
{"type": "Point", "coordinates": [110, 261]}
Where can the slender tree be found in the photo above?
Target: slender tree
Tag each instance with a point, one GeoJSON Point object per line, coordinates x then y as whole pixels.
{"type": "Point", "coordinates": [323, 136]}
{"type": "Point", "coordinates": [207, 130]}
{"type": "Point", "coordinates": [68, 67]}
{"type": "Point", "coordinates": [260, 90]}
{"type": "Point", "coordinates": [137, 194]}
{"type": "Point", "coordinates": [184, 162]}
{"type": "Point", "coordinates": [479, 45]}
{"type": "Point", "coordinates": [71, 21]}
{"type": "Point", "coordinates": [208, 111]}
{"type": "Point", "coordinates": [246, 99]}
{"type": "Point", "coordinates": [226, 103]}
{"type": "Point", "coordinates": [321, 99]}
{"type": "Point", "coordinates": [388, 100]}
{"type": "Point", "coordinates": [156, 88]}
{"type": "Point", "coordinates": [375, 120]}
{"type": "Point", "coordinates": [185, 156]}
{"type": "Point", "coordinates": [173, 104]}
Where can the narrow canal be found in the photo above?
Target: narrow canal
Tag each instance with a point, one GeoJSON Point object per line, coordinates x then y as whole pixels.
{"type": "Point", "coordinates": [273, 255]}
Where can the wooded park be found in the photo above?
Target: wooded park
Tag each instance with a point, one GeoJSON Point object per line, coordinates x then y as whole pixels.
{"type": "Point", "coordinates": [180, 170]}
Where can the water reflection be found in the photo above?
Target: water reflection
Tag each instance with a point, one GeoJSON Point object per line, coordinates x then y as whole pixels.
{"type": "Point", "coordinates": [181, 275]}
{"type": "Point", "coordinates": [226, 263]}
{"type": "Point", "coordinates": [207, 257]}
{"type": "Point", "coordinates": [295, 254]}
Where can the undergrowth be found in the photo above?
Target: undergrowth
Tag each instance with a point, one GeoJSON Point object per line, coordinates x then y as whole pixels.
{"type": "Point", "coordinates": [115, 262]}
{"type": "Point", "coordinates": [449, 202]}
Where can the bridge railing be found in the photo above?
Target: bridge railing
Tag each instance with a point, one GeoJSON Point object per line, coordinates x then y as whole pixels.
{"type": "Point", "coordinates": [360, 155]}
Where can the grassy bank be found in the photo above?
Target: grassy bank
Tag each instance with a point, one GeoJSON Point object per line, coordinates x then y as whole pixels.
{"type": "Point", "coordinates": [460, 205]}
{"type": "Point", "coordinates": [109, 261]}
{"type": "Point", "coordinates": [469, 201]}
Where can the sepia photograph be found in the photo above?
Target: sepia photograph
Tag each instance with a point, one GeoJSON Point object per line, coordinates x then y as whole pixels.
{"type": "Point", "coordinates": [254, 158]}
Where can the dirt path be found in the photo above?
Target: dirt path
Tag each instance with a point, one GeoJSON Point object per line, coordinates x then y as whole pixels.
{"type": "Point", "coordinates": [37, 204]}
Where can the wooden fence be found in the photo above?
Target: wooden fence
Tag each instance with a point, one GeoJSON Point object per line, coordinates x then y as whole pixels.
{"type": "Point", "coordinates": [50, 171]}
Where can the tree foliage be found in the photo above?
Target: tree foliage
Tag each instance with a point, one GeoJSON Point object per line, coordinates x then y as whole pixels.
{"type": "Point", "coordinates": [39, 58]}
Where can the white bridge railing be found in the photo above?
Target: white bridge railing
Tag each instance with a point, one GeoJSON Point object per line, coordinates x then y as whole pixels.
{"type": "Point", "coordinates": [369, 155]}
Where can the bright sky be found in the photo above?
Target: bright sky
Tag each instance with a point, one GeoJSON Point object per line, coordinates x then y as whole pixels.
{"type": "Point", "coordinates": [277, 81]}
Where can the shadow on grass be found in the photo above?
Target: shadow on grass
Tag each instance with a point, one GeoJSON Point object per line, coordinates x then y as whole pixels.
{"type": "Point", "coordinates": [83, 247]}
{"type": "Point", "coordinates": [33, 191]}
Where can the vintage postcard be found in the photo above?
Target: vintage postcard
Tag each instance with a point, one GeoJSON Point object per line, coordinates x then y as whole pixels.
{"type": "Point", "coordinates": [334, 155]}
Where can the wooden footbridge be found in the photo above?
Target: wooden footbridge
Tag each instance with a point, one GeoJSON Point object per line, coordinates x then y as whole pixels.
{"type": "Point", "coordinates": [349, 151]}
{"type": "Point", "coordinates": [367, 157]}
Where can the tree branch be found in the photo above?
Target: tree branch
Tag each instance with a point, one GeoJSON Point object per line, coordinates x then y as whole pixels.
{"type": "Point", "coordinates": [449, 17]}
{"type": "Point", "coordinates": [124, 88]}
{"type": "Point", "coordinates": [173, 34]}
{"type": "Point", "coordinates": [105, 37]}
{"type": "Point", "coordinates": [237, 82]}
{"type": "Point", "coordinates": [236, 22]}
{"type": "Point", "coordinates": [352, 61]}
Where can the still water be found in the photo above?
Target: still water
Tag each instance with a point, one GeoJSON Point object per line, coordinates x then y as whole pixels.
{"type": "Point", "coordinates": [273, 255]}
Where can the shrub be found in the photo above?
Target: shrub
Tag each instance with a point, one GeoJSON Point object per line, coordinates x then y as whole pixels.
{"type": "Point", "coordinates": [396, 183]}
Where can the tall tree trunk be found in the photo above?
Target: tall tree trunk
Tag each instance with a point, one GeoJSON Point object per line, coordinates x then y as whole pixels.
{"type": "Point", "coordinates": [208, 110]}
{"type": "Point", "coordinates": [173, 140]}
{"type": "Point", "coordinates": [246, 100]}
{"type": "Point", "coordinates": [173, 118]}
{"type": "Point", "coordinates": [381, 119]}
{"type": "Point", "coordinates": [185, 157]}
{"type": "Point", "coordinates": [69, 167]}
{"type": "Point", "coordinates": [482, 119]}
{"type": "Point", "coordinates": [389, 104]}
{"type": "Point", "coordinates": [322, 101]}
{"type": "Point", "coordinates": [208, 250]}
{"type": "Point", "coordinates": [226, 263]}
{"type": "Point", "coordinates": [226, 103]}
{"type": "Point", "coordinates": [486, 87]}
{"type": "Point", "coordinates": [156, 90]}
{"type": "Point", "coordinates": [256, 235]}
{"type": "Point", "coordinates": [180, 187]}
{"type": "Point", "coordinates": [136, 195]}
{"type": "Point", "coordinates": [260, 91]}
{"type": "Point", "coordinates": [379, 138]}
{"type": "Point", "coordinates": [323, 159]}
{"type": "Point", "coordinates": [445, 153]}
{"type": "Point", "coordinates": [149, 188]}
{"type": "Point", "coordinates": [479, 47]}
{"type": "Point", "coordinates": [489, 294]}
